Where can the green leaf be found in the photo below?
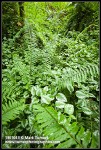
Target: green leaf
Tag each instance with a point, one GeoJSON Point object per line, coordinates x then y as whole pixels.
{"type": "Point", "coordinates": [73, 128]}
{"type": "Point", "coordinates": [38, 92]}
{"type": "Point", "coordinates": [91, 95]}
{"type": "Point", "coordinates": [59, 104]}
{"type": "Point", "coordinates": [70, 87]}
{"type": "Point", "coordinates": [94, 141]}
{"type": "Point", "coordinates": [84, 94]}
{"type": "Point", "coordinates": [80, 134]}
{"type": "Point", "coordinates": [61, 97]}
{"type": "Point", "coordinates": [80, 94]}
{"type": "Point", "coordinates": [87, 138]}
{"type": "Point", "coordinates": [67, 143]}
{"type": "Point", "coordinates": [46, 99]}
{"type": "Point", "coordinates": [61, 119]}
{"type": "Point", "coordinates": [82, 103]}
{"type": "Point", "coordinates": [33, 89]}
{"type": "Point", "coordinates": [45, 89]}
{"type": "Point", "coordinates": [87, 111]}
{"type": "Point", "coordinates": [12, 110]}
{"type": "Point", "coordinates": [69, 109]}
{"type": "Point", "coordinates": [71, 117]}
{"type": "Point", "coordinates": [24, 123]}
{"type": "Point", "coordinates": [34, 100]}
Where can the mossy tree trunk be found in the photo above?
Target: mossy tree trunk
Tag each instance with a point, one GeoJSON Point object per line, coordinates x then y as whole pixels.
{"type": "Point", "coordinates": [10, 18]}
{"type": "Point", "coordinates": [21, 10]}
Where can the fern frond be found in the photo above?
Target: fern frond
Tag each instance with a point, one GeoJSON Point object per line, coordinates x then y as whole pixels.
{"type": "Point", "coordinates": [78, 75]}
{"type": "Point", "coordinates": [87, 71]}
{"type": "Point", "coordinates": [81, 74]}
{"type": "Point", "coordinates": [67, 135]}
{"type": "Point", "coordinates": [8, 91]}
{"type": "Point", "coordinates": [11, 111]}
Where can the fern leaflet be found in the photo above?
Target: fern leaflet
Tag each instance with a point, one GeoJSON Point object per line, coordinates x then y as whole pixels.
{"type": "Point", "coordinates": [58, 128]}
{"type": "Point", "coordinates": [11, 110]}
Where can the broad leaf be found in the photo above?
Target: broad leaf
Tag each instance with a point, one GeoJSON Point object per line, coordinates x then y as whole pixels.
{"type": "Point", "coordinates": [61, 118]}
{"type": "Point", "coordinates": [69, 109]}
{"type": "Point", "coordinates": [61, 97]}
{"type": "Point", "coordinates": [46, 99]}
{"type": "Point", "coordinates": [83, 94]}
{"type": "Point", "coordinates": [45, 89]}
{"type": "Point", "coordinates": [59, 104]}
{"type": "Point", "coordinates": [87, 111]}
{"type": "Point", "coordinates": [33, 89]}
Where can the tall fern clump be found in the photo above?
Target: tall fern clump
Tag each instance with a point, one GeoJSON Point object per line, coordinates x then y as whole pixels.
{"type": "Point", "coordinates": [50, 81]}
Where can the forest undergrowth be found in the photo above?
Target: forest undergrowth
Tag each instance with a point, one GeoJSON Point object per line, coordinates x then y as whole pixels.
{"type": "Point", "coordinates": [50, 77]}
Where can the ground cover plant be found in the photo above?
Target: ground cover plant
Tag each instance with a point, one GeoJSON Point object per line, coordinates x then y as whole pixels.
{"type": "Point", "coordinates": [50, 73]}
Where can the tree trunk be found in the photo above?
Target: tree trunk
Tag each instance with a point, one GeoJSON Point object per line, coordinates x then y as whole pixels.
{"type": "Point", "coordinates": [10, 18]}
{"type": "Point", "coordinates": [21, 10]}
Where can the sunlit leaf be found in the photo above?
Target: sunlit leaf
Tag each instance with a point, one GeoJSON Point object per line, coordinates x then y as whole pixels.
{"type": "Point", "coordinates": [86, 110]}
{"type": "Point", "coordinates": [61, 97]}
{"type": "Point", "coordinates": [59, 104]}
{"type": "Point", "coordinates": [45, 89]}
{"type": "Point", "coordinates": [46, 99]}
{"type": "Point", "coordinates": [61, 118]}
{"type": "Point", "coordinates": [80, 94]}
{"type": "Point", "coordinates": [69, 109]}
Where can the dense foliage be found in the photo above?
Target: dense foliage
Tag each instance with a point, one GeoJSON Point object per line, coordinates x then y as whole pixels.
{"type": "Point", "coordinates": [50, 73]}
